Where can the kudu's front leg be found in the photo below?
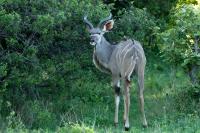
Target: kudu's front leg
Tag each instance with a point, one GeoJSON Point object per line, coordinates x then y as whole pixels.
{"type": "Point", "coordinates": [116, 86]}
{"type": "Point", "coordinates": [126, 104]}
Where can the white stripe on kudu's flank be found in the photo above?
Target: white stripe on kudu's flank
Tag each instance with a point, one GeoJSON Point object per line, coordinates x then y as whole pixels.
{"type": "Point", "coordinates": [131, 68]}
{"type": "Point", "coordinates": [122, 53]}
{"type": "Point", "coordinates": [128, 50]}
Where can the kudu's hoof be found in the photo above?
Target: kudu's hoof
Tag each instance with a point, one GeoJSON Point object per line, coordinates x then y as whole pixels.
{"type": "Point", "coordinates": [126, 128]}
{"type": "Point", "coordinates": [144, 126]}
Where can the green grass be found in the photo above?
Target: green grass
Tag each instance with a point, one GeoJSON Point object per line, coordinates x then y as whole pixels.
{"type": "Point", "coordinates": [100, 119]}
{"type": "Point", "coordinates": [163, 85]}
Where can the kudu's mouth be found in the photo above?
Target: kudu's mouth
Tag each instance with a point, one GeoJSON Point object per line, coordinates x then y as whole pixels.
{"type": "Point", "coordinates": [92, 42]}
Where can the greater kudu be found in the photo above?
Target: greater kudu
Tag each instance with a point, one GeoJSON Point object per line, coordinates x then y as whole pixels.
{"type": "Point", "coordinates": [120, 61]}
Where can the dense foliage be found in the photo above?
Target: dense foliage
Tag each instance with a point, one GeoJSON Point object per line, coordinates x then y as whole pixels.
{"type": "Point", "coordinates": [179, 38]}
{"type": "Point", "coordinates": [178, 41]}
{"type": "Point", "coordinates": [47, 79]}
{"type": "Point", "coordinates": [41, 46]}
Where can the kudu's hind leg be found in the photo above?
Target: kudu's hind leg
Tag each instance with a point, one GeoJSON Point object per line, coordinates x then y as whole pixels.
{"type": "Point", "coordinates": [126, 103]}
{"type": "Point", "coordinates": [116, 86]}
{"type": "Point", "coordinates": [141, 96]}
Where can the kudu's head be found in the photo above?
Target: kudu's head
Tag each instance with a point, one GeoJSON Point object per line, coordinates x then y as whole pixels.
{"type": "Point", "coordinates": [96, 33]}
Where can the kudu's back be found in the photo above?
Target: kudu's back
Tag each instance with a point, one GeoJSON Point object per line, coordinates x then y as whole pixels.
{"type": "Point", "coordinates": [126, 57]}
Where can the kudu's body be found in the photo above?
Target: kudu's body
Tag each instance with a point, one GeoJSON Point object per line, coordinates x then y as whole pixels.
{"type": "Point", "coordinates": [120, 61]}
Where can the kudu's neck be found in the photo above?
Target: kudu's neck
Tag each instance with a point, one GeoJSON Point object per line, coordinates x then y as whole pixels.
{"type": "Point", "coordinates": [104, 50]}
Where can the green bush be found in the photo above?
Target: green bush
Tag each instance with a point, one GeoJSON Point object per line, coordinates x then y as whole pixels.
{"type": "Point", "coordinates": [40, 47]}
{"type": "Point", "coordinates": [45, 45]}
{"type": "Point", "coordinates": [177, 42]}
{"type": "Point", "coordinates": [137, 24]}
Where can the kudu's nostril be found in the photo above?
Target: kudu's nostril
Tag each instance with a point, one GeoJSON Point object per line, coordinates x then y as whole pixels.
{"type": "Point", "coordinates": [92, 38]}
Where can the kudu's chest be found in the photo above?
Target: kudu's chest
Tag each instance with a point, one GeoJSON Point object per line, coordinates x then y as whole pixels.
{"type": "Point", "coordinates": [100, 64]}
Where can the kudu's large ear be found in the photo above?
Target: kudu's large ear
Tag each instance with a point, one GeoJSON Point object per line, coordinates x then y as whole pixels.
{"type": "Point", "coordinates": [108, 25]}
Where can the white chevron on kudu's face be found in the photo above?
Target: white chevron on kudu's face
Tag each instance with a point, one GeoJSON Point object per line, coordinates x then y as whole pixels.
{"type": "Point", "coordinates": [120, 61]}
